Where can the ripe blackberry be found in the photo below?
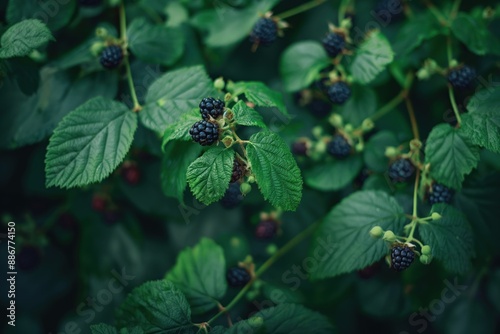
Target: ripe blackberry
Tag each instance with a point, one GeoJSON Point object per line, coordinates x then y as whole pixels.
{"type": "Point", "coordinates": [237, 277]}
{"type": "Point", "coordinates": [319, 108]}
{"type": "Point", "coordinates": [402, 257]}
{"type": "Point", "coordinates": [401, 170]}
{"type": "Point", "coordinates": [334, 44]}
{"type": "Point", "coordinates": [28, 258]}
{"type": "Point", "coordinates": [90, 3]}
{"type": "Point", "coordinates": [339, 147]}
{"type": "Point", "coordinates": [238, 171]}
{"type": "Point", "coordinates": [111, 57]}
{"type": "Point", "coordinates": [211, 107]}
{"type": "Point", "coordinates": [300, 148]}
{"type": "Point", "coordinates": [233, 197]}
{"type": "Point", "coordinates": [266, 229]}
{"type": "Point", "coordinates": [462, 77]}
{"type": "Point", "coordinates": [205, 133]}
{"type": "Point", "coordinates": [440, 194]}
{"type": "Point", "coordinates": [339, 92]}
{"type": "Point", "coordinates": [131, 173]}
{"type": "Point", "coordinates": [264, 32]}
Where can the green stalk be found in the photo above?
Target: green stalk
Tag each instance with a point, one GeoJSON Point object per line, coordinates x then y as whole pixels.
{"type": "Point", "coordinates": [389, 106]}
{"type": "Point", "coordinates": [300, 9]}
{"type": "Point", "coordinates": [343, 9]}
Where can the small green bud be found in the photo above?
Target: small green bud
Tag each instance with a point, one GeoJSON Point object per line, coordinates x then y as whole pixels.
{"type": "Point", "coordinates": [219, 83]}
{"type": "Point", "coordinates": [320, 147]}
{"type": "Point", "coordinates": [453, 63]}
{"type": "Point", "coordinates": [391, 152]}
{"type": "Point", "coordinates": [376, 232]}
{"type": "Point", "coordinates": [389, 236]}
{"type": "Point", "coordinates": [317, 131]}
{"type": "Point", "coordinates": [228, 97]}
{"type": "Point", "coordinates": [97, 48]}
{"type": "Point", "coordinates": [336, 120]}
{"type": "Point", "coordinates": [415, 145]}
{"type": "Point", "coordinates": [367, 125]}
{"type": "Point", "coordinates": [425, 259]}
{"type": "Point", "coordinates": [101, 32]}
{"type": "Point", "coordinates": [423, 74]}
{"type": "Point", "coordinates": [251, 295]}
{"type": "Point", "coordinates": [251, 179]}
{"type": "Point", "coordinates": [348, 128]}
{"type": "Point", "coordinates": [360, 147]}
{"type": "Point", "coordinates": [245, 188]}
{"type": "Point", "coordinates": [426, 250]}
{"type": "Point", "coordinates": [435, 216]}
{"type": "Point", "coordinates": [346, 23]}
{"type": "Point", "coordinates": [271, 249]}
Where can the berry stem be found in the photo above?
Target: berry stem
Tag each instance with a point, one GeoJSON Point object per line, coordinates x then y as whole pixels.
{"type": "Point", "coordinates": [300, 9]}
{"type": "Point", "coordinates": [282, 251]}
{"type": "Point", "coordinates": [342, 9]}
{"type": "Point", "coordinates": [413, 119]}
{"type": "Point", "coordinates": [414, 221]}
{"type": "Point", "coordinates": [389, 106]}
{"type": "Point", "coordinates": [451, 93]}
{"type": "Point", "coordinates": [455, 8]}
{"type": "Point", "coordinates": [436, 12]}
{"type": "Point", "coordinates": [123, 35]}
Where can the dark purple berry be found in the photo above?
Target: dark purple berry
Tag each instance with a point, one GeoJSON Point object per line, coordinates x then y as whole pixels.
{"type": "Point", "coordinates": [111, 57]}
{"type": "Point", "coordinates": [205, 133]}
{"type": "Point", "coordinates": [401, 170]}
{"type": "Point", "coordinates": [300, 148]}
{"type": "Point", "coordinates": [402, 257]}
{"type": "Point", "coordinates": [237, 277]}
{"type": "Point", "coordinates": [339, 92]}
{"type": "Point", "coordinates": [264, 32]}
{"type": "Point", "coordinates": [211, 107]}
{"type": "Point", "coordinates": [462, 77]}
{"type": "Point", "coordinates": [334, 44]}
{"type": "Point", "coordinates": [266, 229]}
{"type": "Point", "coordinates": [339, 147]}
{"type": "Point", "coordinates": [238, 171]}
{"type": "Point", "coordinates": [233, 197]}
{"type": "Point", "coordinates": [440, 194]}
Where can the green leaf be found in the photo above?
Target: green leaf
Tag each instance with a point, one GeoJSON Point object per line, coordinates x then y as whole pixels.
{"type": "Point", "coordinates": [155, 44]}
{"type": "Point", "coordinates": [200, 273]}
{"type": "Point", "coordinates": [294, 319]}
{"type": "Point", "coordinates": [180, 129]}
{"type": "Point", "coordinates": [24, 37]}
{"type": "Point", "coordinates": [226, 25]}
{"type": "Point", "coordinates": [371, 58]}
{"type": "Point", "coordinates": [451, 155]}
{"type": "Point", "coordinates": [103, 329]}
{"type": "Point", "coordinates": [334, 175]}
{"type": "Point", "coordinates": [415, 31]}
{"type": "Point", "coordinates": [450, 238]}
{"type": "Point", "coordinates": [475, 35]}
{"type": "Point", "coordinates": [156, 306]}
{"type": "Point", "coordinates": [177, 156]}
{"type": "Point", "coordinates": [275, 170]}
{"type": "Point", "coordinates": [244, 115]}
{"type": "Point", "coordinates": [374, 152]}
{"type": "Point", "coordinates": [55, 14]}
{"type": "Point", "coordinates": [482, 123]}
{"type": "Point", "coordinates": [361, 105]}
{"type": "Point", "coordinates": [209, 175]}
{"type": "Point", "coordinates": [346, 230]}
{"type": "Point", "coordinates": [261, 95]}
{"type": "Point", "coordinates": [89, 143]}
{"type": "Point", "coordinates": [174, 94]}
{"type": "Point", "coordinates": [301, 63]}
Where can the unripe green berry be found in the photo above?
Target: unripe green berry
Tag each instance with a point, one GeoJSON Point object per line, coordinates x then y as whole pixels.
{"type": "Point", "coordinates": [336, 120]}
{"type": "Point", "coordinates": [219, 83]}
{"type": "Point", "coordinates": [360, 147]}
{"type": "Point", "coordinates": [367, 125]}
{"type": "Point", "coordinates": [391, 152]}
{"type": "Point", "coordinates": [348, 128]}
{"type": "Point", "coordinates": [97, 48]}
{"type": "Point", "coordinates": [245, 188]}
{"type": "Point", "coordinates": [426, 250]}
{"type": "Point", "coordinates": [251, 179]}
{"type": "Point", "coordinates": [389, 236]}
{"type": "Point", "coordinates": [435, 216]}
{"type": "Point", "coordinates": [425, 259]}
{"type": "Point", "coordinates": [271, 249]}
{"type": "Point", "coordinates": [376, 232]}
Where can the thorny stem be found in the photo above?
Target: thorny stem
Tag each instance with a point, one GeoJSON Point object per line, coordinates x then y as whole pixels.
{"type": "Point", "coordinates": [300, 9]}
{"type": "Point", "coordinates": [282, 251]}
{"type": "Point", "coordinates": [123, 35]}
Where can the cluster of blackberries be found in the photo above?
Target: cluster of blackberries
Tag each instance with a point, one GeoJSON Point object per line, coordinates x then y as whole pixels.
{"type": "Point", "coordinates": [111, 57]}
{"type": "Point", "coordinates": [440, 194]}
{"type": "Point", "coordinates": [462, 77]}
{"type": "Point", "coordinates": [402, 257]}
{"type": "Point", "coordinates": [264, 32]}
{"type": "Point", "coordinates": [206, 131]}
{"type": "Point", "coordinates": [338, 147]}
{"type": "Point", "coordinates": [237, 277]}
{"type": "Point", "coordinates": [401, 170]}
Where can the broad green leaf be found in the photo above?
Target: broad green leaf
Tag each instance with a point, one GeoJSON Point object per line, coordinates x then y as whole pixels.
{"type": "Point", "coordinates": [301, 63]}
{"type": "Point", "coordinates": [482, 123]}
{"type": "Point", "coordinates": [261, 95]}
{"type": "Point", "coordinates": [244, 115]}
{"type": "Point", "coordinates": [383, 297]}
{"type": "Point", "coordinates": [415, 31]}
{"type": "Point", "coordinates": [334, 175]}
{"type": "Point", "coordinates": [177, 157]}
{"type": "Point", "coordinates": [200, 274]}
{"type": "Point", "coordinates": [103, 329]}
{"type": "Point", "coordinates": [226, 25]}
{"type": "Point", "coordinates": [209, 175]}
{"type": "Point", "coordinates": [180, 129]}
{"type": "Point", "coordinates": [89, 143]}
{"type": "Point", "coordinates": [174, 94]}
{"type": "Point", "coordinates": [275, 170]}
{"type": "Point", "coordinates": [361, 105]}
{"type": "Point", "coordinates": [55, 14]}
{"type": "Point", "coordinates": [24, 37]}
{"type": "Point", "coordinates": [294, 319]}
{"type": "Point", "coordinates": [371, 58]}
{"type": "Point", "coordinates": [450, 238]}
{"type": "Point", "coordinates": [374, 152]}
{"type": "Point", "coordinates": [345, 232]}
{"type": "Point", "coordinates": [154, 43]}
{"type": "Point", "coordinates": [156, 306]}
{"type": "Point", "coordinates": [451, 155]}
{"type": "Point", "coordinates": [475, 35]}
